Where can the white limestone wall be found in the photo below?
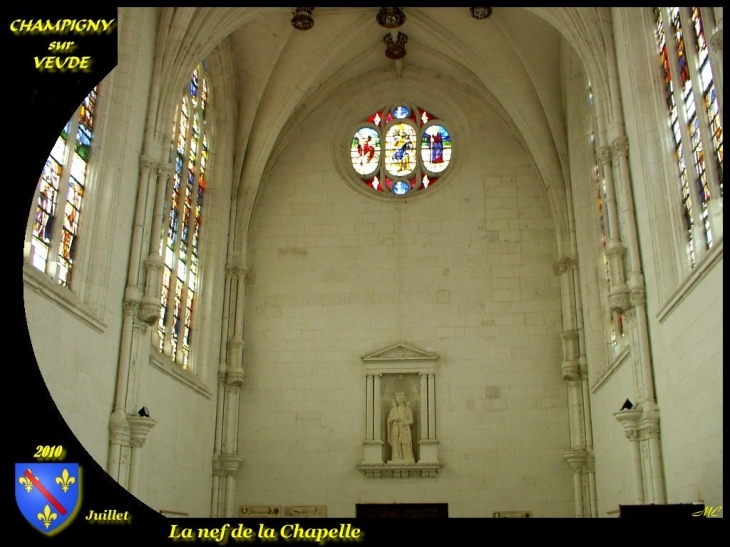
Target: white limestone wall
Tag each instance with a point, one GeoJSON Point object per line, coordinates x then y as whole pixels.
{"type": "Point", "coordinates": [689, 382]}
{"type": "Point", "coordinates": [466, 272]}
{"type": "Point", "coordinates": [614, 473]}
{"type": "Point", "coordinates": [176, 471]}
{"type": "Point", "coordinates": [78, 362]}
{"type": "Point", "coordinates": [79, 377]}
{"type": "Point", "coordinates": [684, 308]}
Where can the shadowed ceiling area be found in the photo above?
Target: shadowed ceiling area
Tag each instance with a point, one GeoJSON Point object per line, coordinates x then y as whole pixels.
{"type": "Point", "coordinates": [510, 62]}
{"type": "Point", "coordinates": [511, 59]}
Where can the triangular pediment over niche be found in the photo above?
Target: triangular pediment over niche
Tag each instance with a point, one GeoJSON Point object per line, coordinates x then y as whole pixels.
{"type": "Point", "coordinates": [400, 352]}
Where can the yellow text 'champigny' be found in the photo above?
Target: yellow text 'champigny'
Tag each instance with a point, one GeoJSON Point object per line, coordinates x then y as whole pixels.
{"type": "Point", "coordinates": [62, 26]}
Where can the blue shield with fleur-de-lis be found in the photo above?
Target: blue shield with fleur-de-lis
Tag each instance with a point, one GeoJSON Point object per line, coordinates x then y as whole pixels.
{"type": "Point", "coordinates": [48, 494]}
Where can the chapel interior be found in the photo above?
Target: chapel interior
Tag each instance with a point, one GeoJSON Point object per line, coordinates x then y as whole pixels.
{"type": "Point", "coordinates": [306, 261]}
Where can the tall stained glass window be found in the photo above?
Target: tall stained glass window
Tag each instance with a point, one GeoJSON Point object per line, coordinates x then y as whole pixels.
{"type": "Point", "coordinates": [180, 244]}
{"type": "Point", "coordinates": [613, 318]}
{"type": "Point", "coordinates": [400, 150]}
{"type": "Point", "coordinates": [694, 118]}
{"type": "Point", "coordinates": [53, 231]}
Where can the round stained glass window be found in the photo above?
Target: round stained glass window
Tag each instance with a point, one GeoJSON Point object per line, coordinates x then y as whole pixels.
{"type": "Point", "coordinates": [400, 150]}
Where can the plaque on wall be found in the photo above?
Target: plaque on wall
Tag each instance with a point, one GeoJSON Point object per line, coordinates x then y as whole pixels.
{"type": "Point", "coordinates": [260, 511]}
{"type": "Point", "coordinates": [305, 511]}
{"type": "Point", "coordinates": [402, 510]}
{"type": "Point", "coordinates": [512, 514]}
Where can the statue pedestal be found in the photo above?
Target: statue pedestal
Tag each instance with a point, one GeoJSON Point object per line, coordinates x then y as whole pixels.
{"type": "Point", "coordinates": [429, 451]}
{"type": "Point", "coordinates": [373, 452]}
{"type": "Point", "coordinates": [396, 471]}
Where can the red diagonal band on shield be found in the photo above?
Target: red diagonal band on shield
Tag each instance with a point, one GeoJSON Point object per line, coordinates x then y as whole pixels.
{"type": "Point", "coordinates": [46, 493]}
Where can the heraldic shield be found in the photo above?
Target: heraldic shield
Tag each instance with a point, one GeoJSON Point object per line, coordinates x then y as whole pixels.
{"type": "Point", "coordinates": [48, 494]}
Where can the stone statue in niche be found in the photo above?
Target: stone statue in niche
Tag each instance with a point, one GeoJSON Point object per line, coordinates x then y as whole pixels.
{"type": "Point", "coordinates": [399, 430]}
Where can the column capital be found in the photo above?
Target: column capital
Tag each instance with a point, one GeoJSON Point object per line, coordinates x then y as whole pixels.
{"type": "Point", "coordinates": [565, 263]}
{"type": "Point", "coordinates": [618, 298]}
{"type": "Point", "coordinates": [621, 146]}
{"type": "Point", "coordinates": [229, 464]}
{"type": "Point", "coordinates": [154, 262]}
{"type": "Point", "coordinates": [243, 273]}
{"type": "Point", "coordinates": [570, 370]}
{"type": "Point", "coordinates": [149, 311]}
{"type": "Point", "coordinates": [164, 170]}
{"type": "Point", "coordinates": [604, 154]}
{"type": "Point", "coordinates": [129, 307]}
{"type": "Point", "coordinates": [649, 423]}
{"type": "Point", "coordinates": [614, 247]}
{"type": "Point", "coordinates": [638, 296]}
{"type": "Point", "coordinates": [234, 378]}
{"type": "Point", "coordinates": [238, 272]}
{"type": "Point", "coordinates": [649, 432]}
{"type": "Point", "coordinates": [218, 470]}
{"type": "Point", "coordinates": [146, 164]}
{"type": "Point", "coordinates": [119, 430]}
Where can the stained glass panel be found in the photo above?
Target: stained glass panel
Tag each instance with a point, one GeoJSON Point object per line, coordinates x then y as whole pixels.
{"type": "Point", "coordinates": [401, 112]}
{"type": "Point", "coordinates": [376, 118]}
{"type": "Point", "coordinates": [688, 105]}
{"type": "Point", "coordinates": [401, 187]}
{"type": "Point", "coordinates": [365, 151]}
{"type": "Point", "coordinates": [400, 153]}
{"type": "Point", "coordinates": [54, 233]}
{"type": "Point", "coordinates": [436, 148]}
{"type": "Point", "coordinates": [401, 132]}
{"type": "Point", "coordinates": [190, 143]}
{"type": "Point", "coordinates": [708, 89]}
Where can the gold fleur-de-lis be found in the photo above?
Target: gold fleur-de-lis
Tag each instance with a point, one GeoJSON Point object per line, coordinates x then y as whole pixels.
{"type": "Point", "coordinates": [65, 481]}
{"type": "Point", "coordinates": [26, 483]}
{"type": "Point", "coordinates": [47, 517]}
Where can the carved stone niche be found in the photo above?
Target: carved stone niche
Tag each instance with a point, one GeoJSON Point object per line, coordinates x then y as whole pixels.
{"type": "Point", "coordinates": [400, 399]}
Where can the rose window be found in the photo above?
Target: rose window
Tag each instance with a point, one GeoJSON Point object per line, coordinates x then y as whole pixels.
{"type": "Point", "coordinates": [401, 150]}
